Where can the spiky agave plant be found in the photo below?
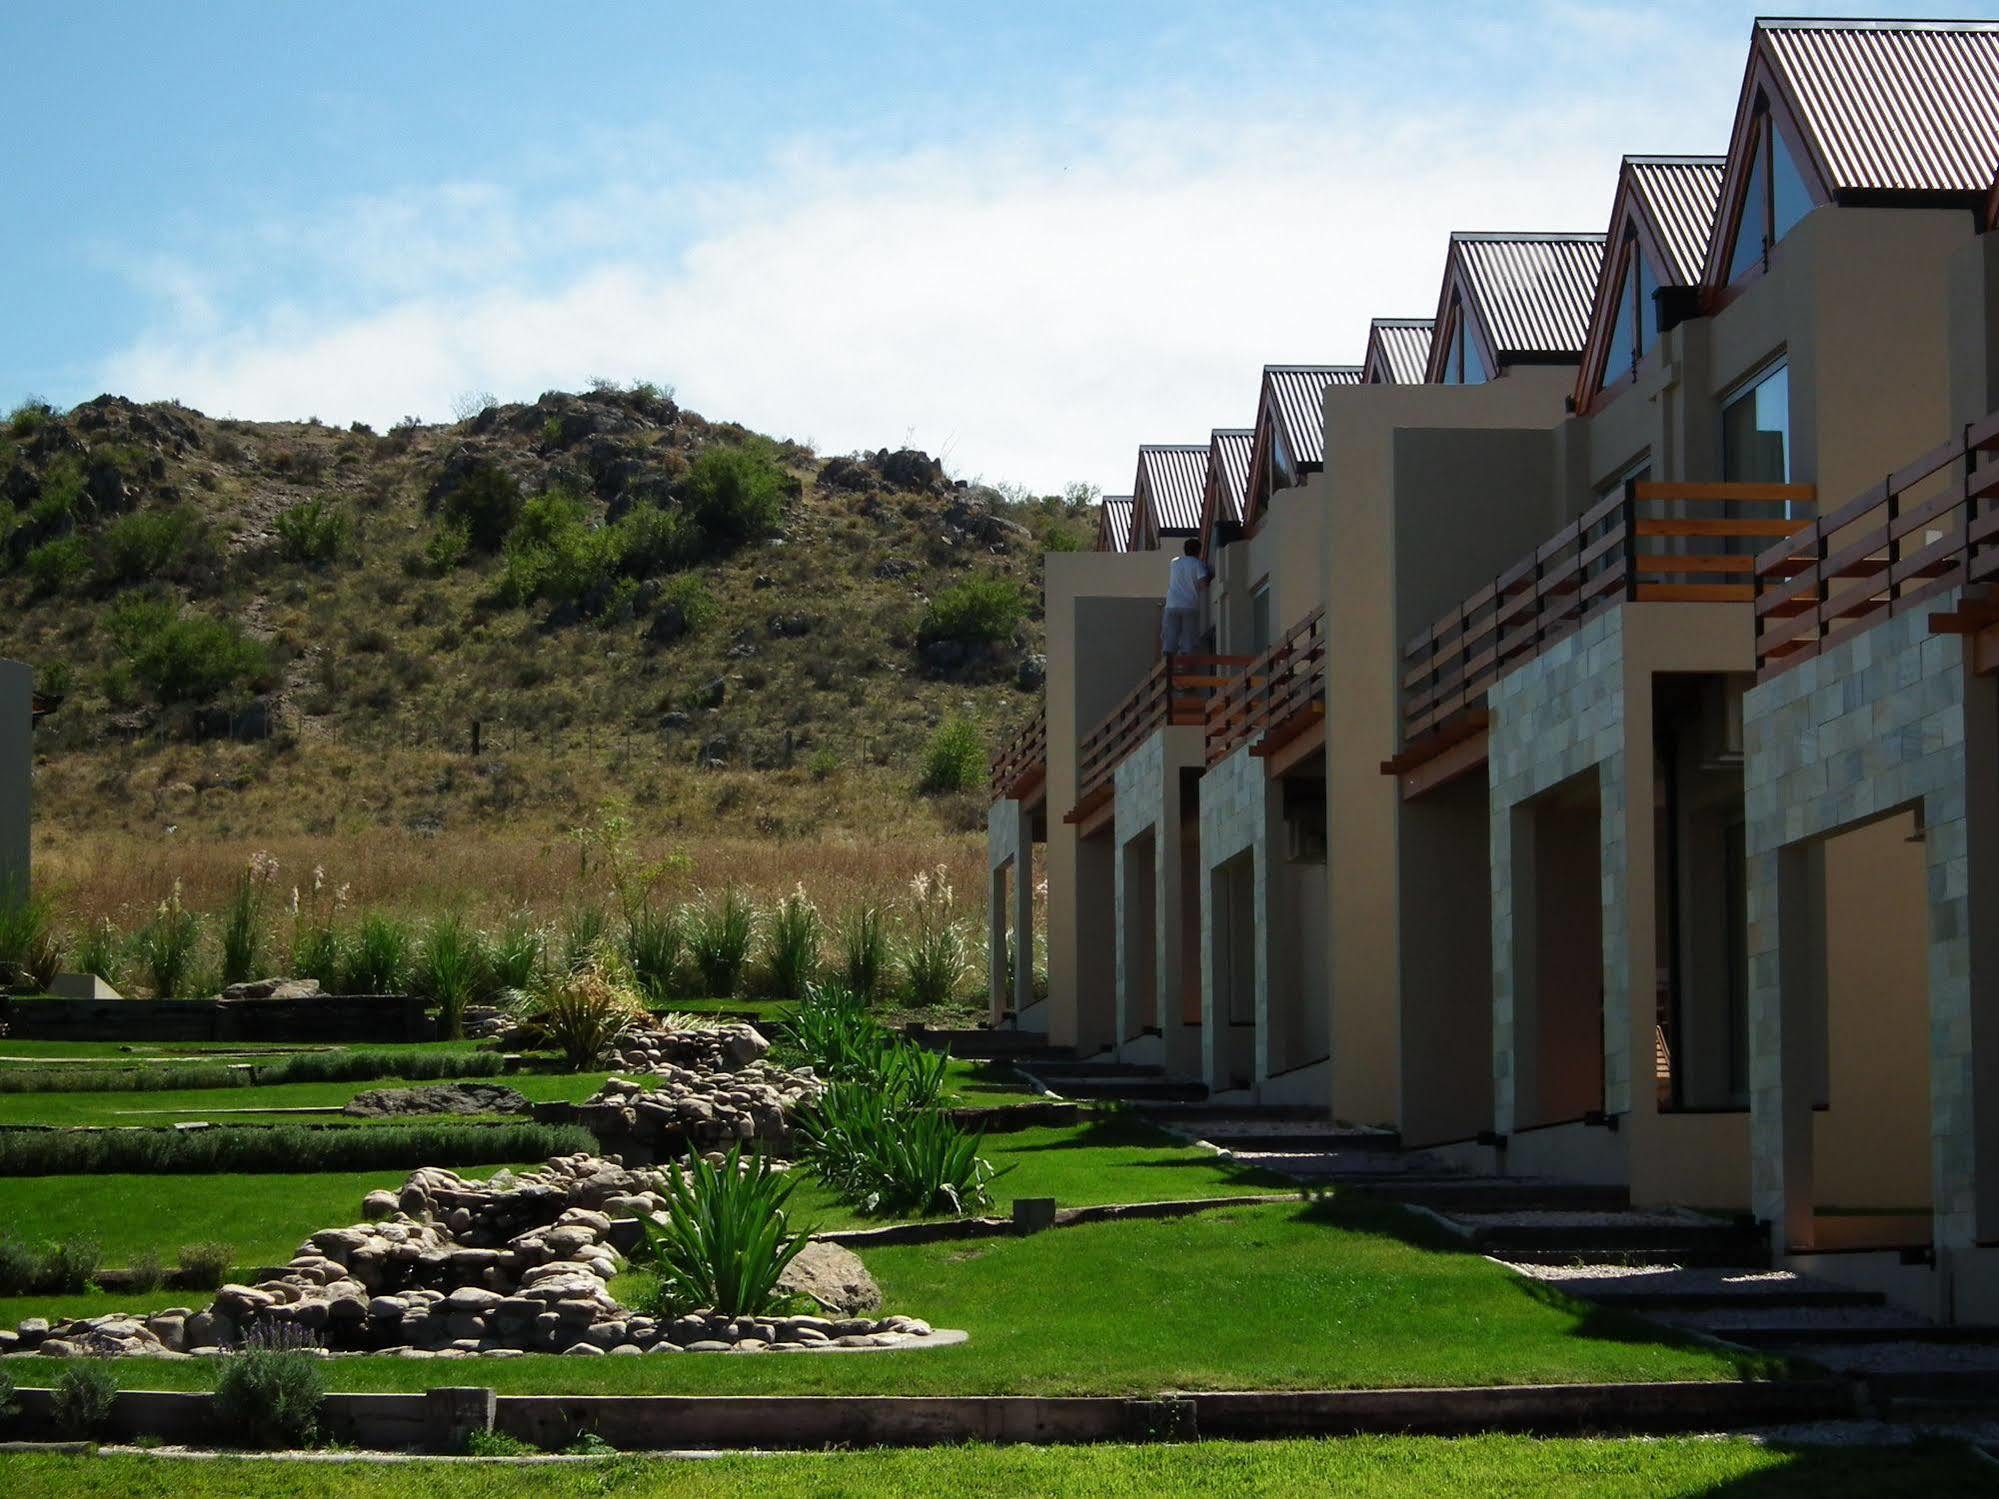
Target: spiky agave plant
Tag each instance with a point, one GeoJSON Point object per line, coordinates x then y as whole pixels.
{"type": "Point", "coordinates": [581, 1012]}
{"type": "Point", "coordinates": [727, 1237]}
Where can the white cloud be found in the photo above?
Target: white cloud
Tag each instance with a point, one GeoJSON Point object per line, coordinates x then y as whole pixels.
{"type": "Point", "coordinates": [1032, 307]}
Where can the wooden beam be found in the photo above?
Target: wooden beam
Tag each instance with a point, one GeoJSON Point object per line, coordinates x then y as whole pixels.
{"type": "Point", "coordinates": [1295, 749]}
{"type": "Point", "coordinates": [1097, 819]}
{"type": "Point", "coordinates": [1462, 758]}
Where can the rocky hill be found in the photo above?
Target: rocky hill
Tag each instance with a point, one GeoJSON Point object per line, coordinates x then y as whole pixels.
{"type": "Point", "coordinates": [251, 626]}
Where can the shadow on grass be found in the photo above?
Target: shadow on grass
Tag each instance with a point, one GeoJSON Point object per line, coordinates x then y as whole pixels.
{"type": "Point", "coordinates": [1589, 1320]}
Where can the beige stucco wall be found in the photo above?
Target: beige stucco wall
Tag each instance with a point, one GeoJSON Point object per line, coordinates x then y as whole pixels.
{"type": "Point", "coordinates": [1377, 575]}
{"type": "Point", "coordinates": [16, 770]}
{"type": "Point", "coordinates": [1102, 623]}
{"type": "Point", "coordinates": [1286, 550]}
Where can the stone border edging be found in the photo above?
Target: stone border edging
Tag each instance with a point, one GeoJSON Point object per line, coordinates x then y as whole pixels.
{"type": "Point", "coordinates": [439, 1418]}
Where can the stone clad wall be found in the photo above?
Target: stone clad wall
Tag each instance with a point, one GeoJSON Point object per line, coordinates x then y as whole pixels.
{"type": "Point", "coordinates": [1553, 719]}
{"type": "Point", "coordinates": [1873, 726]}
{"type": "Point", "coordinates": [1235, 818]}
{"type": "Point", "coordinates": [1009, 840]}
{"type": "Point", "coordinates": [1139, 808]}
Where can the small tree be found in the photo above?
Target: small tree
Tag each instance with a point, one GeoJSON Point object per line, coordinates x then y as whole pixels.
{"type": "Point", "coordinates": [955, 758]}
{"type": "Point", "coordinates": [735, 494]}
{"type": "Point", "coordinates": [978, 611]}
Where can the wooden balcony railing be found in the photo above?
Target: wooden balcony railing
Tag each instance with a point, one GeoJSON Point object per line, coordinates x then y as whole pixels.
{"type": "Point", "coordinates": [1277, 696]}
{"type": "Point", "coordinates": [1919, 532]}
{"type": "Point", "coordinates": [1671, 543]}
{"type": "Point", "coordinates": [1020, 762]}
{"type": "Point", "coordinates": [1175, 691]}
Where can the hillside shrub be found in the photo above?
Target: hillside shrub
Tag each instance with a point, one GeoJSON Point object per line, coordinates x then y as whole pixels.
{"type": "Point", "coordinates": [955, 758]}
{"type": "Point", "coordinates": [184, 658]}
{"type": "Point", "coordinates": [148, 544]}
{"type": "Point", "coordinates": [652, 539]}
{"type": "Point", "coordinates": [58, 565]}
{"type": "Point", "coordinates": [978, 611]}
{"type": "Point", "coordinates": [487, 503]}
{"type": "Point", "coordinates": [447, 546]}
{"type": "Point", "coordinates": [735, 494]}
{"type": "Point", "coordinates": [282, 1148]}
{"type": "Point", "coordinates": [82, 1399]}
{"type": "Point", "coordinates": [311, 532]}
{"type": "Point", "coordinates": [727, 1238]}
{"type": "Point", "coordinates": [689, 600]}
{"type": "Point", "coordinates": [59, 502]}
{"type": "Point", "coordinates": [29, 417]}
{"type": "Point", "coordinates": [269, 1397]}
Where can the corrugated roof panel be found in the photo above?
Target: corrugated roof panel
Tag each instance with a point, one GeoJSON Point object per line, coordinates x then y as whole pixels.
{"type": "Point", "coordinates": [1229, 452]}
{"type": "Point", "coordinates": [1680, 194]}
{"type": "Point", "coordinates": [1895, 106]}
{"type": "Point", "coordinates": [1295, 395]}
{"type": "Point", "coordinates": [1114, 523]}
{"type": "Point", "coordinates": [1404, 343]}
{"type": "Point", "coordinates": [1533, 291]}
{"type": "Point", "coordinates": [1171, 478]}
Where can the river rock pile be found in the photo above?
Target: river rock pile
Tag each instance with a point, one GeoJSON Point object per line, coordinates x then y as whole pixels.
{"type": "Point", "coordinates": [702, 1048]}
{"type": "Point", "coordinates": [676, 1109]}
{"type": "Point", "coordinates": [448, 1268]}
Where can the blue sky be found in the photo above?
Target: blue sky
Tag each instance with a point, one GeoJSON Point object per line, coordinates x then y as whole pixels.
{"type": "Point", "coordinates": [1028, 236]}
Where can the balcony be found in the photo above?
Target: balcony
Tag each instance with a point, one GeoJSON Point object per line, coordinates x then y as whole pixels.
{"type": "Point", "coordinates": [1174, 693]}
{"type": "Point", "coordinates": [1918, 533]}
{"type": "Point", "coordinates": [1277, 703]}
{"type": "Point", "coordinates": [1651, 542]}
{"type": "Point", "coordinates": [1020, 763]}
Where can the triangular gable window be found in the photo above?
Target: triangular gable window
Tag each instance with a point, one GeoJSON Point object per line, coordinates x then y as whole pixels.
{"type": "Point", "coordinates": [1774, 199]}
{"type": "Point", "coordinates": [1631, 334]}
{"type": "Point", "coordinates": [1463, 365]}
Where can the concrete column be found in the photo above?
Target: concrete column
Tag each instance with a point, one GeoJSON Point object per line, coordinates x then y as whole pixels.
{"type": "Point", "coordinates": [1787, 1001]}
{"type": "Point", "coordinates": [1023, 918]}
{"type": "Point", "coordinates": [996, 943]}
{"type": "Point", "coordinates": [17, 760]}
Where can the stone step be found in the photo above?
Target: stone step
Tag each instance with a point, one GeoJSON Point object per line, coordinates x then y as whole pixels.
{"type": "Point", "coordinates": [1580, 1238]}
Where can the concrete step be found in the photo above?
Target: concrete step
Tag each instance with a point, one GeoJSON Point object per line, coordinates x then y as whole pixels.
{"type": "Point", "coordinates": [1091, 1068]}
{"type": "Point", "coordinates": [1497, 1194]}
{"type": "Point", "coordinates": [1717, 1257]}
{"type": "Point", "coordinates": [1579, 1238]}
{"type": "Point", "coordinates": [1811, 1296]}
{"type": "Point", "coordinates": [989, 1045]}
{"type": "Point", "coordinates": [1210, 1112]}
{"type": "Point", "coordinates": [1133, 1090]}
{"type": "Point", "coordinates": [1778, 1334]}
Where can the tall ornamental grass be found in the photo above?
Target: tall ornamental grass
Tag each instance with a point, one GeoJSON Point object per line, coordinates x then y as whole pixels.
{"type": "Point", "coordinates": [937, 952]}
{"type": "Point", "coordinates": [243, 919]}
{"type": "Point", "coordinates": [719, 935]}
{"type": "Point", "coordinates": [167, 947]}
{"type": "Point", "coordinates": [451, 971]}
{"type": "Point", "coordinates": [792, 943]}
{"type": "Point", "coordinates": [867, 948]}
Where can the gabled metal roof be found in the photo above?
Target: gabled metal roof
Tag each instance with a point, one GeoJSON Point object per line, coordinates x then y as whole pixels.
{"type": "Point", "coordinates": [1679, 194]}
{"type": "Point", "coordinates": [1229, 450]}
{"type": "Point", "coordinates": [1890, 106]}
{"type": "Point", "coordinates": [1531, 293]}
{"type": "Point", "coordinates": [1294, 398]}
{"type": "Point", "coordinates": [1114, 523]}
{"type": "Point", "coordinates": [1403, 347]}
{"type": "Point", "coordinates": [1167, 493]}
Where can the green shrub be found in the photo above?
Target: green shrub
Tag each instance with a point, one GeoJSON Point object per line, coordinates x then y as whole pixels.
{"type": "Point", "coordinates": [978, 611]}
{"type": "Point", "coordinates": [29, 946]}
{"type": "Point", "coordinates": [580, 1013]}
{"type": "Point", "coordinates": [516, 954]}
{"type": "Point", "coordinates": [243, 919]}
{"type": "Point", "coordinates": [695, 604]}
{"type": "Point", "coordinates": [28, 418]}
{"type": "Point", "coordinates": [377, 960]}
{"type": "Point", "coordinates": [655, 942]}
{"type": "Point", "coordinates": [487, 503]}
{"type": "Point", "coordinates": [884, 1158]}
{"type": "Point", "coordinates": [166, 947]}
{"type": "Point", "coordinates": [82, 1399]}
{"type": "Point", "coordinates": [726, 1239]}
{"type": "Point", "coordinates": [148, 544]}
{"type": "Point", "coordinates": [205, 1266]}
{"type": "Point", "coordinates": [867, 948]}
{"type": "Point", "coordinates": [298, 1067]}
{"type": "Point", "coordinates": [281, 1148]}
{"type": "Point", "coordinates": [719, 934]}
{"type": "Point", "coordinates": [270, 1398]}
{"type": "Point", "coordinates": [823, 763]}
{"type": "Point", "coordinates": [451, 971]}
{"type": "Point", "coordinates": [10, 1404]}
{"type": "Point", "coordinates": [145, 1274]}
{"type": "Point", "coordinates": [63, 1267]}
{"type": "Point", "coordinates": [652, 539]}
{"type": "Point", "coordinates": [311, 532]}
{"type": "Point", "coordinates": [59, 502]}
{"type": "Point", "coordinates": [497, 1444]}
{"type": "Point", "coordinates": [735, 494]}
{"type": "Point", "coordinates": [99, 951]}
{"type": "Point", "coordinates": [185, 658]}
{"type": "Point", "coordinates": [57, 565]}
{"type": "Point", "coordinates": [792, 945]}
{"type": "Point", "coordinates": [446, 547]}
{"type": "Point", "coordinates": [938, 952]}
{"type": "Point", "coordinates": [955, 758]}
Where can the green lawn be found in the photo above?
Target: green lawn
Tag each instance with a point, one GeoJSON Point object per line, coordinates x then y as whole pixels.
{"type": "Point", "coordinates": [1293, 1296]}
{"type": "Point", "coordinates": [1381, 1467]}
{"type": "Point", "coordinates": [228, 1105]}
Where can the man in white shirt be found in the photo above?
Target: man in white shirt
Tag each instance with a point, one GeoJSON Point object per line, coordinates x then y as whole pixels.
{"type": "Point", "coordinates": [1180, 623]}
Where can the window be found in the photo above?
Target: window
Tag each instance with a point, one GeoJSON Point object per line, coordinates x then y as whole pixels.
{"type": "Point", "coordinates": [1462, 363]}
{"type": "Point", "coordinates": [1756, 431]}
{"type": "Point", "coordinates": [1631, 335]}
{"type": "Point", "coordinates": [1773, 200]}
{"type": "Point", "coordinates": [1259, 618]}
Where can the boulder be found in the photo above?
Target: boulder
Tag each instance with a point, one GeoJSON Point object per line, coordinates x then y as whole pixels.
{"type": "Point", "coordinates": [437, 1098]}
{"type": "Point", "coordinates": [273, 989]}
{"type": "Point", "coordinates": [834, 1277]}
